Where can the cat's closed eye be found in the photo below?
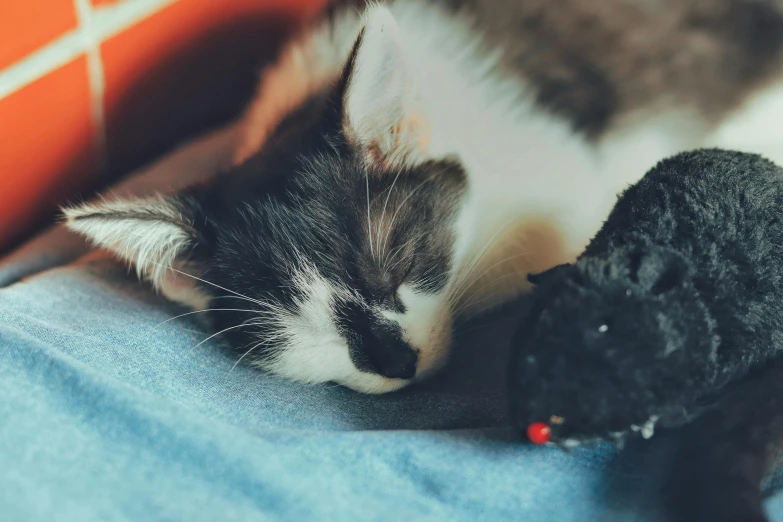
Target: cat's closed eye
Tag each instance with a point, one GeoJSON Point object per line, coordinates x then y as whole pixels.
{"type": "Point", "coordinates": [397, 303]}
{"type": "Point", "coordinates": [391, 296]}
{"type": "Point", "coordinates": [393, 300]}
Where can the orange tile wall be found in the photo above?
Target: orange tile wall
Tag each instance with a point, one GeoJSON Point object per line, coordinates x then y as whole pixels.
{"type": "Point", "coordinates": [90, 89]}
{"type": "Point", "coordinates": [31, 24]}
{"type": "Point", "coordinates": [47, 148]}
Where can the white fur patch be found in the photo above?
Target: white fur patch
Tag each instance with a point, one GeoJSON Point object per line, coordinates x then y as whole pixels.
{"type": "Point", "coordinates": [631, 149]}
{"type": "Point", "coordinates": [313, 349]}
{"type": "Point", "coordinates": [755, 127]}
{"type": "Point", "coordinates": [426, 326]}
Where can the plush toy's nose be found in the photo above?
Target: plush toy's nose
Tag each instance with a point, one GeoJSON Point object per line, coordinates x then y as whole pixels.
{"type": "Point", "coordinates": [539, 433]}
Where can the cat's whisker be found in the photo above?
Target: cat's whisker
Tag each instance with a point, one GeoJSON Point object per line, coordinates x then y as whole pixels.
{"type": "Point", "coordinates": [399, 207]}
{"type": "Point", "coordinates": [383, 213]}
{"type": "Point", "coordinates": [468, 304]}
{"type": "Point", "coordinates": [268, 307]}
{"type": "Point", "coordinates": [462, 278]}
{"type": "Point", "coordinates": [488, 270]}
{"type": "Point", "coordinates": [394, 265]}
{"type": "Point", "coordinates": [240, 298]}
{"type": "Point", "coordinates": [400, 249]}
{"type": "Point", "coordinates": [479, 257]}
{"type": "Point", "coordinates": [424, 281]}
{"type": "Point", "coordinates": [226, 330]}
{"type": "Point", "coordinates": [462, 282]}
{"type": "Point", "coordinates": [205, 310]}
{"type": "Point", "coordinates": [369, 225]}
{"type": "Point", "coordinates": [395, 250]}
{"type": "Point", "coordinates": [266, 341]}
{"type": "Point", "coordinates": [247, 321]}
{"type": "Point", "coordinates": [464, 300]}
{"type": "Point", "coordinates": [210, 283]}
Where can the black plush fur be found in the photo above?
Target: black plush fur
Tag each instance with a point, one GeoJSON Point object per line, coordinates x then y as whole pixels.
{"type": "Point", "coordinates": [726, 454]}
{"type": "Point", "coordinates": [686, 276]}
{"type": "Point", "coordinates": [673, 313]}
{"type": "Point", "coordinates": [678, 296]}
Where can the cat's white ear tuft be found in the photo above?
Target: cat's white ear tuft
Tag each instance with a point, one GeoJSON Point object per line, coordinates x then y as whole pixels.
{"type": "Point", "coordinates": [382, 113]}
{"type": "Point", "coordinates": [151, 234]}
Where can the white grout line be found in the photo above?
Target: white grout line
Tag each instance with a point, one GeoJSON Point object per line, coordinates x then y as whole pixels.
{"type": "Point", "coordinates": [95, 76]}
{"type": "Point", "coordinates": [114, 18]}
{"type": "Point", "coordinates": [39, 63]}
{"type": "Point", "coordinates": [105, 21]}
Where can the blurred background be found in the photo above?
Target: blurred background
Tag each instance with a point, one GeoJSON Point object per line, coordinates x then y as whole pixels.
{"type": "Point", "coordinates": [92, 89]}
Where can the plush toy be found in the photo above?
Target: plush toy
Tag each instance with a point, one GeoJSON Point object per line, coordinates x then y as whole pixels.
{"type": "Point", "coordinates": [679, 295]}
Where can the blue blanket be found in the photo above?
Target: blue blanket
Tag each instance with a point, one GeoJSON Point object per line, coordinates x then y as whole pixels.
{"type": "Point", "coordinates": [110, 413]}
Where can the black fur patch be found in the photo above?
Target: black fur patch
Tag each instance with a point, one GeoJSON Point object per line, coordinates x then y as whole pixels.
{"type": "Point", "coordinates": [593, 62]}
{"type": "Point", "coordinates": [304, 197]}
{"type": "Point", "coordinates": [376, 345]}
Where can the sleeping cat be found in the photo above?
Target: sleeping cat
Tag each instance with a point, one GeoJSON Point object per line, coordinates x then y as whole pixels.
{"type": "Point", "coordinates": [409, 163]}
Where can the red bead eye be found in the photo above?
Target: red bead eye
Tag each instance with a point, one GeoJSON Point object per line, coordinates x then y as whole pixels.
{"type": "Point", "coordinates": [539, 433]}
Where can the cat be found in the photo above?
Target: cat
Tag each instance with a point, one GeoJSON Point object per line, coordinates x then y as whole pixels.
{"type": "Point", "coordinates": [406, 164]}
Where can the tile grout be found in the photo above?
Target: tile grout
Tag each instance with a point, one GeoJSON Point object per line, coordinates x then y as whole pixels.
{"type": "Point", "coordinates": [95, 78]}
{"type": "Point", "coordinates": [39, 63]}
{"type": "Point", "coordinates": [106, 22]}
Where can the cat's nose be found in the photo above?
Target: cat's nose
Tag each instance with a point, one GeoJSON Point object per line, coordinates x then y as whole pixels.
{"type": "Point", "coordinates": [378, 343]}
{"type": "Point", "coordinates": [390, 355]}
{"type": "Point", "coordinates": [400, 365]}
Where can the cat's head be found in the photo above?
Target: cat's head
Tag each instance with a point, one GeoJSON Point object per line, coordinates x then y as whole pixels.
{"type": "Point", "coordinates": [328, 255]}
{"type": "Point", "coordinates": [612, 343]}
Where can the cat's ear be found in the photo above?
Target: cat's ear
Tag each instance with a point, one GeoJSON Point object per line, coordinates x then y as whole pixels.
{"type": "Point", "coordinates": [381, 109]}
{"type": "Point", "coordinates": [154, 235]}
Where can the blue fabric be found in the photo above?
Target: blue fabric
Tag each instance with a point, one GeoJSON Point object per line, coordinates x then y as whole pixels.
{"type": "Point", "coordinates": [107, 414]}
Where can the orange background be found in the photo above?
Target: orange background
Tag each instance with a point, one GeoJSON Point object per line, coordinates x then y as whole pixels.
{"type": "Point", "coordinates": [187, 66]}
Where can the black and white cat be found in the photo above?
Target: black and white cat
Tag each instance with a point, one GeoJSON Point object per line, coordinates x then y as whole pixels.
{"type": "Point", "coordinates": [407, 163]}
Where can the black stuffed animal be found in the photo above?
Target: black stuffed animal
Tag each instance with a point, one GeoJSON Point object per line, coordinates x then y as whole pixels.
{"type": "Point", "coordinates": [678, 295]}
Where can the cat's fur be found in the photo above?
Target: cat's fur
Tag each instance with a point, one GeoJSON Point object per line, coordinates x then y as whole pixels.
{"type": "Point", "coordinates": [409, 163]}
